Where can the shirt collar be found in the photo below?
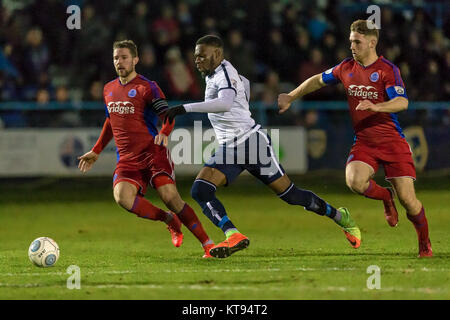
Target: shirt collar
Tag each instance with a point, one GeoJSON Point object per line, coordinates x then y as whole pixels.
{"type": "Point", "coordinates": [218, 68]}
{"type": "Point", "coordinates": [365, 67]}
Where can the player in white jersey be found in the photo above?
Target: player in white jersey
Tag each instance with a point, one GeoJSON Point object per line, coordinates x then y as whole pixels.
{"type": "Point", "coordinates": [243, 145]}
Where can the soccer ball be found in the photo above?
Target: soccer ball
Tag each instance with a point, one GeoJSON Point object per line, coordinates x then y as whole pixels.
{"type": "Point", "coordinates": [43, 252]}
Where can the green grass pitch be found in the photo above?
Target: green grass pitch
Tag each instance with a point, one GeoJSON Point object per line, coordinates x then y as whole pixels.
{"type": "Point", "coordinates": [293, 254]}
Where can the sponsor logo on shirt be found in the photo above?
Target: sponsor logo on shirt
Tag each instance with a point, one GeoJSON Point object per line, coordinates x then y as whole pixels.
{"type": "Point", "coordinates": [120, 107]}
{"type": "Point", "coordinates": [364, 92]}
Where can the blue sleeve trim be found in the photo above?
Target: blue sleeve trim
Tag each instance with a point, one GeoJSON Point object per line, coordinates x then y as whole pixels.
{"type": "Point", "coordinates": [329, 78]}
{"type": "Point", "coordinates": [396, 91]}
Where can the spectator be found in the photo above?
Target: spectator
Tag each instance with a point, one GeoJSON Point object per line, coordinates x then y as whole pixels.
{"type": "Point", "coordinates": [315, 65]}
{"type": "Point", "coordinates": [268, 96]}
{"type": "Point", "coordinates": [312, 66]}
{"type": "Point", "coordinates": [42, 97]}
{"type": "Point", "coordinates": [437, 44]}
{"type": "Point", "coordinates": [290, 22]}
{"type": "Point", "coordinates": [36, 55]}
{"type": "Point", "coordinates": [328, 48]}
{"type": "Point", "coordinates": [90, 53]}
{"type": "Point", "coordinates": [187, 25]}
{"type": "Point", "coordinates": [431, 82]}
{"type": "Point", "coordinates": [413, 45]}
{"type": "Point", "coordinates": [278, 55]}
{"type": "Point", "coordinates": [166, 30]}
{"type": "Point", "coordinates": [96, 91]}
{"type": "Point", "coordinates": [240, 54]}
{"type": "Point", "coordinates": [209, 26]}
{"type": "Point", "coordinates": [317, 25]}
{"type": "Point", "coordinates": [285, 34]}
{"type": "Point", "coordinates": [137, 26]}
{"type": "Point", "coordinates": [62, 94]}
{"type": "Point", "coordinates": [149, 67]}
{"type": "Point", "coordinates": [8, 88]}
{"type": "Point", "coordinates": [181, 81]}
{"type": "Point", "coordinates": [410, 82]}
{"type": "Point", "coordinates": [67, 117]}
{"type": "Point", "coordinates": [388, 28]}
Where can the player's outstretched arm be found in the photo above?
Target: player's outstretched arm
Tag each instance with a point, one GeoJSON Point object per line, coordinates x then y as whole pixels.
{"type": "Point", "coordinates": [223, 103]}
{"type": "Point", "coordinates": [310, 85]}
{"type": "Point", "coordinates": [87, 160]}
{"type": "Point", "coordinates": [392, 106]}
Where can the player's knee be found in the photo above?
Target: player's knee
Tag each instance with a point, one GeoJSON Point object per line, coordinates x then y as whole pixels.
{"type": "Point", "coordinates": [167, 196]}
{"type": "Point", "coordinates": [124, 200]}
{"type": "Point", "coordinates": [202, 191]}
{"type": "Point", "coordinates": [356, 185]}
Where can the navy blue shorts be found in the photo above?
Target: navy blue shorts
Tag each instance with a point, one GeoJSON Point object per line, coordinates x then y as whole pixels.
{"type": "Point", "coordinates": [255, 155]}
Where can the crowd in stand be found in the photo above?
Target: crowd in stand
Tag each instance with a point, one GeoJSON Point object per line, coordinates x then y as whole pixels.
{"type": "Point", "coordinates": [275, 44]}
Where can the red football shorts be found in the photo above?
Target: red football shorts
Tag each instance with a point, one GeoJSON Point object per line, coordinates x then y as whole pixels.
{"type": "Point", "coordinates": [159, 171]}
{"type": "Point", "coordinates": [395, 157]}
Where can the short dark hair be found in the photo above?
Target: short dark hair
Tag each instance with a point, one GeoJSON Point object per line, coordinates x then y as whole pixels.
{"type": "Point", "coordinates": [127, 44]}
{"type": "Point", "coordinates": [211, 40]}
{"type": "Point", "coordinates": [365, 27]}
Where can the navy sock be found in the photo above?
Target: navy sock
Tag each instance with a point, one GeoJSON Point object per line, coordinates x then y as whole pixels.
{"type": "Point", "coordinates": [309, 200]}
{"type": "Point", "coordinates": [204, 193]}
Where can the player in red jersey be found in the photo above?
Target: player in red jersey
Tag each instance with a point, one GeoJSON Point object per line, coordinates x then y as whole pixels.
{"type": "Point", "coordinates": [133, 105]}
{"type": "Point", "coordinates": [375, 93]}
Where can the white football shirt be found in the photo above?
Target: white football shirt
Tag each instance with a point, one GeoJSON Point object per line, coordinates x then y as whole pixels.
{"type": "Point", "coordinates": [237, 123]}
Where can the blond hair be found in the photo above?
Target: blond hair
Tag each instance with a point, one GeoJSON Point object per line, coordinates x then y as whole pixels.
{"type": "Point", "coordinates": [365, 27]}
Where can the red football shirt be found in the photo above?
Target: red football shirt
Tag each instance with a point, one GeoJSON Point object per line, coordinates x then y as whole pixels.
{"type": "Point", "coordinates": [378, 82]}
{"type": "Point", "coordinates": [133, 111]}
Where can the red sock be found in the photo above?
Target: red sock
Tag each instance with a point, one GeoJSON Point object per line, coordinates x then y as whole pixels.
{"type": "Point", "coordinates": [374, 191]}
{"type": "Point", "coordinates": [144, 209]}
{"type": "Point", "coordinates": [191, 221]}
{"type": "Point", "coordinates": [421, 224]}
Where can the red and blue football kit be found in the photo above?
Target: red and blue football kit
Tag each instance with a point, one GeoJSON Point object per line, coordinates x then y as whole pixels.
{"type": "Point", "coordinates": [378, 136]}
{"type": "Point", "coordinates": [132, 112]}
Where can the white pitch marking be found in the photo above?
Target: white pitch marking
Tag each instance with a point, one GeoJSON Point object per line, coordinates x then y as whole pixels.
{"type": "Point", "coordinates": [32, 274]}
{"type": "Point", "coordinates": [303, 269]}
{"type": "Point", "coordinates": [231, 288]}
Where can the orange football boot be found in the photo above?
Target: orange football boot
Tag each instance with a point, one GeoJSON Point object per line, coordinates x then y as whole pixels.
{"type": "Point", "coordinates": [207, 248]}
{"type": "Point", "coordinates": [237, 241]}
